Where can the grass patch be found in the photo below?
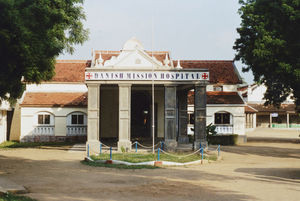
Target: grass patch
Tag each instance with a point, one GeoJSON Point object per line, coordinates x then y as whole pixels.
{"type": "Point", "coordinates": [94, 164]}
{"type": "Point", "coordinates": [140, 157]}
{"type": "Point", "coordinates": [14, 144]}
{"type": "Point", "coordinates": [12, 197]}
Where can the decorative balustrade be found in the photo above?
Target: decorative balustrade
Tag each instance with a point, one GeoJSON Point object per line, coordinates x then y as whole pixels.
{"type": "Point", "coordinates": [76, 130]}
{"type": "Point", "coordinates": [43, 130]}
{"type": "Point", "coordinates": [224, 129]}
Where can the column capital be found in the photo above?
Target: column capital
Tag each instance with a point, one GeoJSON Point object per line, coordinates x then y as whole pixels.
{"type": "Point", "coordinates": [93, 84]}
{"type": "Point", "coordinates": [124, 85]}
{"type": "Point", "coordinates": [200, 84]}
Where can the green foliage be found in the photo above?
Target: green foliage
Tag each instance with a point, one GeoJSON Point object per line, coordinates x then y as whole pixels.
{"type": "Point", "coordinates": [32, 34]}
{"type": "Point", "coordinates": [211, 129]}
{"type": "Point", "coordinates": [12, 197]}
{"type": "Point", "coordinates": [123, 150]}
{"type": "Point", "coordinates": [269, 45]}
{"type": "Point", "coordinates": [144, 157]}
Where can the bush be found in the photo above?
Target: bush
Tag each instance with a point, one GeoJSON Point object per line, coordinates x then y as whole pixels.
{"type": "Point", "coordinates": [222, 139]}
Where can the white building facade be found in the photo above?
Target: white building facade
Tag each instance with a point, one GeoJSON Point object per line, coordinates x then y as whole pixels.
{"type": "Point", "coordinates": [110, 97]}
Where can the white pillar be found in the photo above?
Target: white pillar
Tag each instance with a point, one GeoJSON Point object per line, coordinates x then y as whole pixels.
{"type": "Point", "coordinates": [254, 120]}
{"type": "Point", "coordinates": [270, 120]}
{"type": "Point", "coordinates": [287, 120]}
{"type": "Point", "coordinates": [124, 116]}
{"type": "Point", "coordinates": [93, 118]}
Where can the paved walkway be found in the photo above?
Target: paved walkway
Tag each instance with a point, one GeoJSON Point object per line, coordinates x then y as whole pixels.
{"type": "Point", "coordinates": [274, 135]}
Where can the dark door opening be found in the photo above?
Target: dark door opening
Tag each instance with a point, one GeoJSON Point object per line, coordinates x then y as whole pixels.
{"type": "Point", "coordinates": [140, 114]}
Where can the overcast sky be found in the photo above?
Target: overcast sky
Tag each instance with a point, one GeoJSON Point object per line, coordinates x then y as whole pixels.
{"type": "Point", "coordinates": [190, 29]}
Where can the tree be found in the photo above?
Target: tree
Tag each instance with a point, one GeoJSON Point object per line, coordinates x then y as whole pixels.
{"type": "Point", "coordinates": [269, 45]}
{"type": "Point", "coordinates": [32, 34]}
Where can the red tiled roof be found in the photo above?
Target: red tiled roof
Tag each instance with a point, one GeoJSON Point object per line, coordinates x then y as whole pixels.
{"type": "Point", "coordinates": [218, 97]}
{"type": "Point", "coordinates": [55, 100]}
{"type": "Point", "coordinates": [249, 109]}
{"type": "Point", "coordinates": [70, 70]}
{"type": "Point", "coordinates": [222, 71]}
{"type": "Point", "coordinates": [271, 108]}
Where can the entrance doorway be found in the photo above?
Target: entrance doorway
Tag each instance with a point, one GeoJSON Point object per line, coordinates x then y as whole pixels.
{"type": "Point", "coordinates": [140, 114]}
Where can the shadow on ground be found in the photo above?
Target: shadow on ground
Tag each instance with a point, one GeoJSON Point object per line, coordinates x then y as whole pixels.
{"type": "Point", "coordinates": [275, 174]}
{"type": "Point", "coordinates": [263, 151]}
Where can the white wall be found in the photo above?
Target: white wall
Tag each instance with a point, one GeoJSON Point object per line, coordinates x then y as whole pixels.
{"type": "Point", "coordinates": [3, 124]}
{"type": "Point", "coordinates": [256, 94]}
{"type": "Point", "coordinates": [238, 115]}
{"type": "Point", "coordinates": [53, 87]}
{"type": "Point", "coordinates": [226, 87]}
{"type": "Point", "coordinates": [28, 118]}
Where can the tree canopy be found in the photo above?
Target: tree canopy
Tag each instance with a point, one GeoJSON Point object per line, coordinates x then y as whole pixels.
{"type": "Point", "coordinates": [32, 34]}
{"type": "Point", "coordinates": [269, 45]}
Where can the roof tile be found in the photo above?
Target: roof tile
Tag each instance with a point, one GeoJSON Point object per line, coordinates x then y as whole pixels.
{"type": "Point", "coordinates": [220, 71]}
{"type": "Point", "coordinates": [218, 97]}
{"type": "Point", "coordinates": [55, 100]}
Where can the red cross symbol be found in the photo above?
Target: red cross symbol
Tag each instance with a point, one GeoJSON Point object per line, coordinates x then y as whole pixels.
{"type": "Point", "coordinates": [204, 76]}
{"type": "Point", "coordinates": [89, 76]}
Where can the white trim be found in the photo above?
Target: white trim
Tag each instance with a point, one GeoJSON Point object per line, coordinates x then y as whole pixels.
{"type": "Point", "coordinates": [226, 105]}
{"type": "Point", "coordinates": [252, 108]}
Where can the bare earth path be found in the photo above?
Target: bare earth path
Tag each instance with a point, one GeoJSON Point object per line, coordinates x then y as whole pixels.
{"type": "Point", "coordinates": [255, 171]}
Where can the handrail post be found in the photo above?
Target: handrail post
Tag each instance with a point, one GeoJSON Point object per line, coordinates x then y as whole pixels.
{"type": "Point", "coordinates": [110, 153]}
{"type": "Point", "coordinates": [88, 151]}
{"type": "Point", "coordinates": [158, 157]}
{"type": "Point", "coordinates": [135, 146]}
{"type": "Point", "coordinates": [218, 150]}
{"type": "Point", "coordinates": [100, 149]}
{"type": "Point", "coordinates": [201, 155]}
{"type": "Point", "coordinates": [162, 145]}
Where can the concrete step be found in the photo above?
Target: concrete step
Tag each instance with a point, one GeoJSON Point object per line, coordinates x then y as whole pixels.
{"type": "Point", "coordinates": [78, 148]}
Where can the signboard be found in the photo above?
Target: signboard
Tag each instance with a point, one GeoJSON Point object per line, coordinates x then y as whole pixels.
{"type": "Point", "coordinates": [274, 114]}
{"type": "Point", "coordinates": [147, 75]}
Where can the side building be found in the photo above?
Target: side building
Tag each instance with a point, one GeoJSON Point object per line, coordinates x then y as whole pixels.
{"type": "Point", "coordinates": [56, 110]}
{"type": "Point", "coordinates": [259, 115]}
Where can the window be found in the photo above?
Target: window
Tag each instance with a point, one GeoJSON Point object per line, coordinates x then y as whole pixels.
{"type": "Point", "coordinates": [77, 119]}
{"type": "Point", "coordinates": [222, 118]}
{"type": "Point", "coordinates": [43, 119]}
{"type": "Point", "coordinates": [218, 88]}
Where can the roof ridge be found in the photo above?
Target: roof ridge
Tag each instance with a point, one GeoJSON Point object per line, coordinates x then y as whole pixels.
{"type": "Point", "coordinates": [205, 61]}
{"type": "Point", "coordinates": [72, 60]}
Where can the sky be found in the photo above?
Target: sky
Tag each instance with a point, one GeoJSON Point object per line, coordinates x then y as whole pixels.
{"type": "Point", "coordinates": [190, 29]}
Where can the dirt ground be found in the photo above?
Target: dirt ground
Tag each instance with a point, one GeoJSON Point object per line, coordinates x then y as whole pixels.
{"type": "Point", "coordinates": [254, 171]}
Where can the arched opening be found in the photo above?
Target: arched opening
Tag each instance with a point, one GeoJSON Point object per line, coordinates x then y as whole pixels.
{"type": "Point", "coordinates": [76, 124]}
{"type": "Point", "coordinates": [224, 122]}
{"type": "Point", "coordinates": [44, 124]}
